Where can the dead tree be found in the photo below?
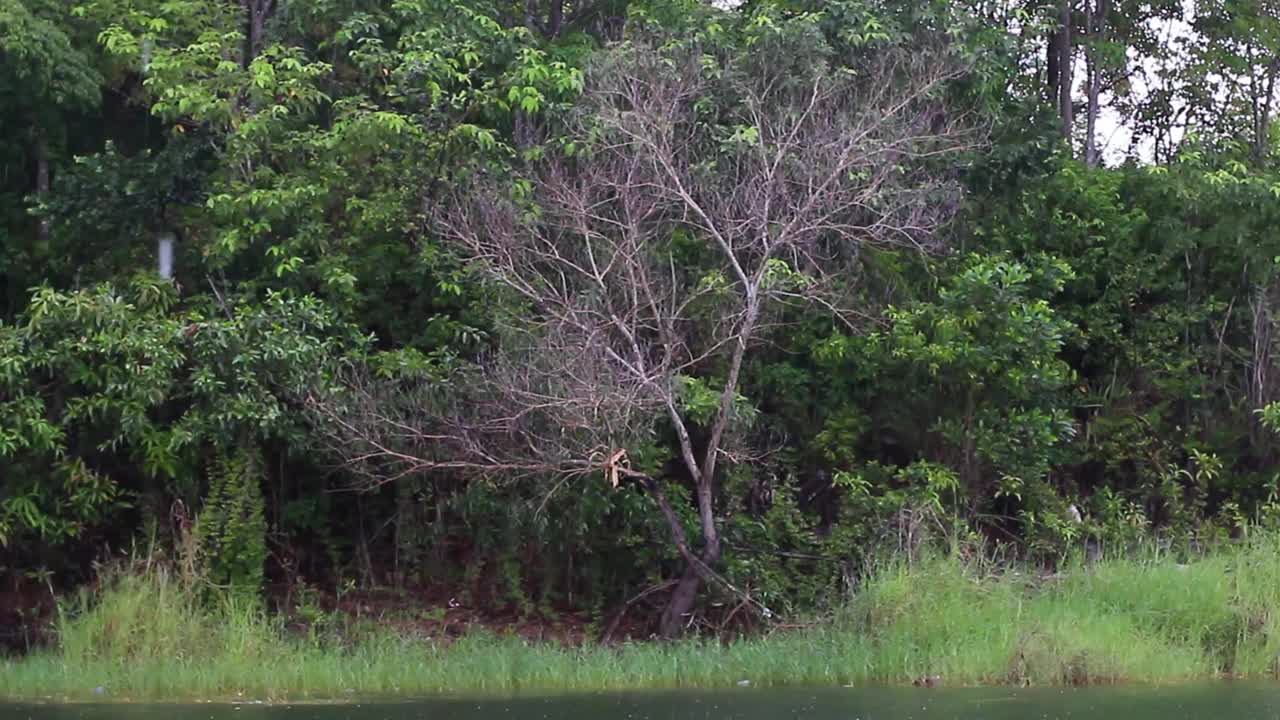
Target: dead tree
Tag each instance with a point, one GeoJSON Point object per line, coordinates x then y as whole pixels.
{"type": "Point", "coordinates": [699, 193]}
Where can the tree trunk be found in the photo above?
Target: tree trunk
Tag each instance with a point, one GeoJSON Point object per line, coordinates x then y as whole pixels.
{"type": "Point", "coordinates": [686, 593]}
{"type": "Point", "coordinates": [525, 130]}
{"type": "Point", "coordinates": [969, 449]}
{"type": "Point", "coordinates": [556, 19]}
{"type": "Point", "coordinates": [1091, 154]}
{"type": "Point", "coordinates": [40, 150]}
{"type": "Point", "coordinates": [1259, 377]}
{"type": "Point", "coordinates": [531, 16]}
{"type": "Point", "coordinates": [549, 28]}
{"type": "Point", "coordinates": [697, 569]}
{"type": "Point", "coordinates": [680, 604]}
{"type": "Point", "coordinates": [256, 14]}
{"type": "Point", "coordinates": [696, 566]}
{"type": "Point", "coordinates": [1053, 74]}
{"type": "Point", "coordinates": [1066, 76]}
{"type": "Point", "coordinates": [1097, 23]}
{"type": "Point", "coordinates": [1262, 134]}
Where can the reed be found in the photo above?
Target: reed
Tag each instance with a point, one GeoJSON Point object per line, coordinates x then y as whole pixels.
{"type": "Point", "coordinates": [1146, 618]}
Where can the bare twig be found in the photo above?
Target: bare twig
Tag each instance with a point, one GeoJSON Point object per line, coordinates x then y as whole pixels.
{"type": "Point", "coordinates": [659, 252]}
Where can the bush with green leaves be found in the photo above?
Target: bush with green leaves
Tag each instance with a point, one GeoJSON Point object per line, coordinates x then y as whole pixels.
{"type": "Point", "coordinates": [231, 529]}
{"type": "Point", "coordinates": [108, 396]}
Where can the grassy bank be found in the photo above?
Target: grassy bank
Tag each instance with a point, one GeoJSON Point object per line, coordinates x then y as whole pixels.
{"type": "Point", "coordinates": [1147, 620]}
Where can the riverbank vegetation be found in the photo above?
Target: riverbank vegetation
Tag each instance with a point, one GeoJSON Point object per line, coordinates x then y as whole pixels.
{"type": "Point", "coordinates": [632, 319]}
{"type": "Point", "coordinates": [1157, 617]}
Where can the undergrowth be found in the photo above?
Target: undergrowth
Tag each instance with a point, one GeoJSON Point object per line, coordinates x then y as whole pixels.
{"type": "Point", "coordinates": [1145, 619]}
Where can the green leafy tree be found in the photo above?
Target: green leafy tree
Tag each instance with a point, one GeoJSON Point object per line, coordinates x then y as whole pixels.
{"type": "Point", "coordinates": [47, 81]}
{"type": "Point", "coordinates": [105, 392]}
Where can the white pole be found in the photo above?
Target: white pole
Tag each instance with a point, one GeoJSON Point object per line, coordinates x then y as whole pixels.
{"type": "Point", "coordinates": [164, 252]}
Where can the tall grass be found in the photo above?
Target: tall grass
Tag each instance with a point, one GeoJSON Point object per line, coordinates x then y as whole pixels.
{"type": "Point", "coordinates": [1147, 619]}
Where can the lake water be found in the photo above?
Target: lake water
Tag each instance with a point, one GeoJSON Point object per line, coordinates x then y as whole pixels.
{"type": "Point", "coordinates": [1233, 701]}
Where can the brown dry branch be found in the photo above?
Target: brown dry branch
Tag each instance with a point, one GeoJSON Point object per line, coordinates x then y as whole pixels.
{"type": "Point", "coordinates": [702, 194]}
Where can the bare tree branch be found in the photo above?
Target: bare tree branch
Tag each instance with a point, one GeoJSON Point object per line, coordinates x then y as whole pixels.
{"type": "Point", "coordinates": [702, 194]}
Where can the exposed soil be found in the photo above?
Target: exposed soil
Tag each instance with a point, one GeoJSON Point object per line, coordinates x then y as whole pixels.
{"type": "Point", "coordinates": [439, 613]}
{"type": "Point", "coordinates": [26, 616]}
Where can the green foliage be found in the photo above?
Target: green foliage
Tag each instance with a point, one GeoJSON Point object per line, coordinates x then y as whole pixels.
{"type": "Point", "coordinates": [44, 72]}
{"type": "Point", "coordinates": [231, 528]}
{"type": "Point", "coordinates": [100, 389]}
{"type": "Point", "coordinates": [1099, 343]}
{"type": "Point", "coordinates": [994, 336]}
{"type": "Point", "coordinates": [580, 545]}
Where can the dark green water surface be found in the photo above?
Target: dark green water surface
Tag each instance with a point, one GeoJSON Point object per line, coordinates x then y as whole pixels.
{"type": "Point", "coordinates": [1229, 701]}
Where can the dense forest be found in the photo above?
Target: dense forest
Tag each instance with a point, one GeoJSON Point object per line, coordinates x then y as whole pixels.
{"type": "Point", "coordinates": [679, 311]}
